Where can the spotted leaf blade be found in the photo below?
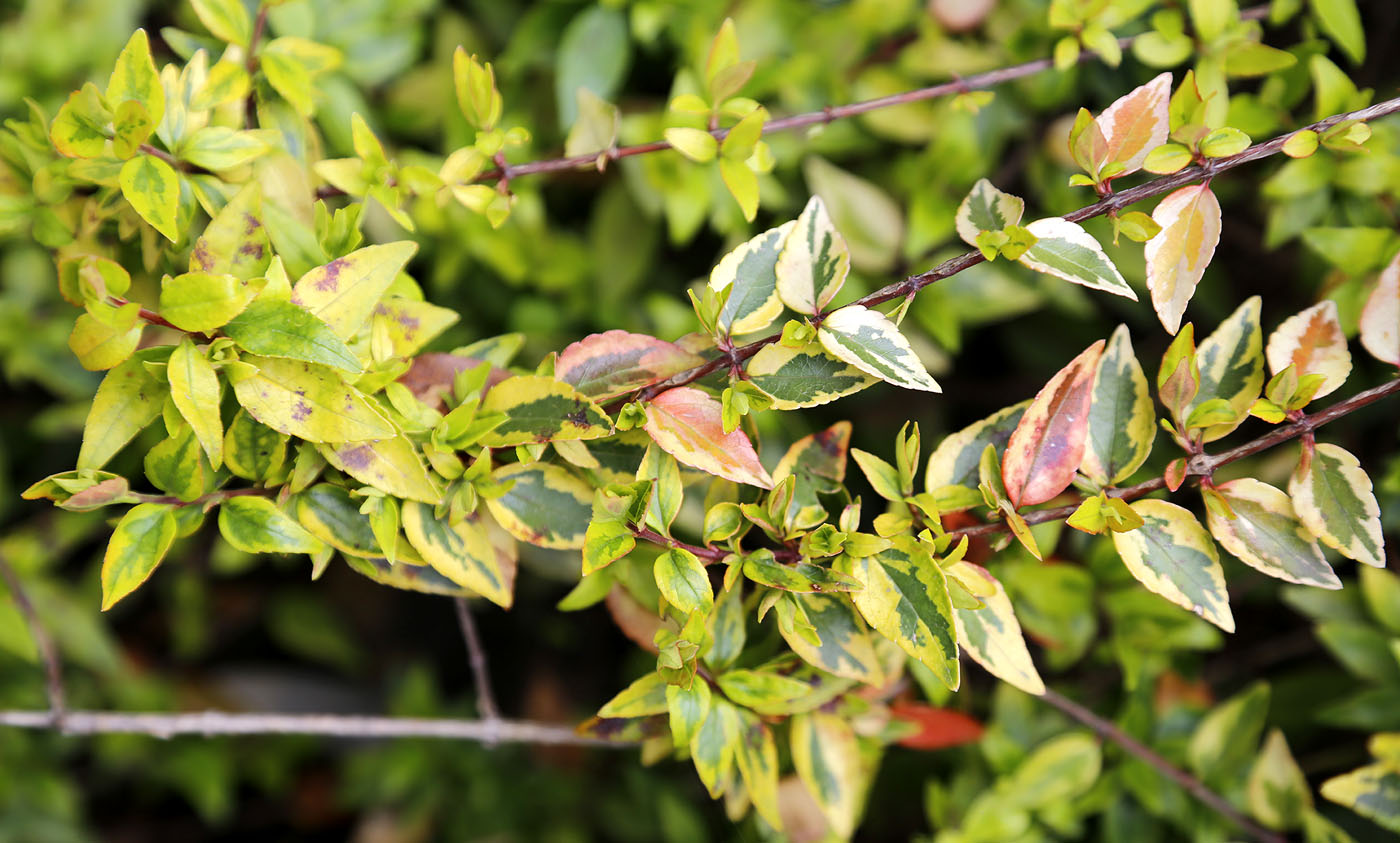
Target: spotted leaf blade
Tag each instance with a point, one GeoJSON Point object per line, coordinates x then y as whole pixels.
{"type": "Point", "coordinates": [308, 401]}
{"type": "Point", "coordinates": [872, 343]}
{"type": "Point", "coordinates": [992, 637]}
{"type": "Point", "coordinates": [1333, 497]}
{"type": "Point", "coordinates": [751, 271]}
{"type": "Point", "coordinates": [391, 465]}
{"type": "Point", "coordinates": [803, 377]}
{"type": "Point", "coordinates": [814, 261]}
{"type": "Point", "coordinates": [1178, 256]}
{"type": "Point", "coordinates": [614, 363]}
{"type": "Point", "coordinates": [1173, 556]}
{"type": "Point", "coordinates": [1048, 444]}
{"type": "Point", "coordinates": [344, 292]}
{"type": "Point", "coordinates": [1267, 535]}
{"type": "Point", "coordinates": [1313, 343]}
{"type": "Point", "coordinates": [1065, 250]}
{"type": "Point", "coordinates": [541, 409]}
{"type": "Point", "coordinates": [1122, 423]}
{"type": "Point", "coordinates": [687, 424]}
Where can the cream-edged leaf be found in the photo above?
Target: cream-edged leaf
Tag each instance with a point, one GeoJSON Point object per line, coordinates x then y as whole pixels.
{"type": "Point", "coordinates": [992, 636]}
{"type": "Point", "coordinates": [1312, 342]}
{"type": "Point", "coordinates": [1231, 365]}
{"type": "Point", "coordinates": [391, 465]}
{"type": "Point", "coordinates": [544, 505]}
{"type": "Point", "coordinates": [803, 377]}
{"type": "Point", "coordinates": [1122, 423]}
{"type": "Point", "coordinates": [1065, 250]}
{"type": "Point", "coordinates": [1333, 497]}
{"type": "Point", "coordinates": [1178, 256]}
{"type": "Point", "coordinates": [750, 273]}
{"type": "Point", "coordinates": [308, 401]}
{"type": "Point", "coordinates": [868, 340]}
{"type": "Point", "coordinates": [1380, 318]}
{"type": "Point", "coordinates": [541, 409]}
{"type": "Point", "coordinates": [814, 261]}
{"type": "Point", "coordinates": [956, 459]}
{"type": "Point", "coordinates": [1136, 123]}
{"type": "Point", "coordinates": [344, 292]}
{"type": "Point", "coordinates": [1267, 535]}
{"type": "Point", "coordinates": [687, 423]}
{"type": "Point", "coordinates": [986, 209]}
{"type": "Point", "coordinates": [462, 552]}
{"type": "Point", "coordinates": [1173, 556]}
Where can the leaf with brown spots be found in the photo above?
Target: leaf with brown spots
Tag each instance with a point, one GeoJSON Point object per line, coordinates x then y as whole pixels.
{"type": "Point", "coordinates": [344, 292]}
{"type": "Point", "coordinates": [541, 409]}
{"type": "Point", "coordinates": [1048, 444]}
{"type": "Point", "coordinates": [390, 465]}
{"type": "Point", "coordinates": [1312, 342]}
{"type": "Point", "coordinates": [308, 401]}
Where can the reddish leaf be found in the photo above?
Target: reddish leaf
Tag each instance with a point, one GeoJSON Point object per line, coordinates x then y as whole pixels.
{"type": "Point", "coordinates": [1047, 445]}
{"type": "Point", "coordinates": [686, 423]}
{"type": "Point", "coordinates": [939, 728]}
{"type": "Point", "coordinates": [1136, 123]}
{"type": "Point", "coordinates": [1380, 320]}
{"type": "Point", "coordinates": [1312, 343]}
{"type": "Point", "coordinates": [431, 375]}
{"type": "Point", "coordinates": [615, 363]}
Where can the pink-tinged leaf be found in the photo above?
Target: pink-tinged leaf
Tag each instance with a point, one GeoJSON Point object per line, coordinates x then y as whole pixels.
{"type": "Point", "coordinates": [1312, 343]}
{"type": "Point", "coordinates": [614, 363]}
{"type": "Point", "coordinates": [432, 374]}
{"type": "Point", "coordinates": [1137, 123]}
{"type": "Point", "coordinates": [1179, 254]}
{"type": "Point", "coordinates": [686, 423]}
{"type": "Point", "coordinates": [1047, 445]}
{"type": "Point", "coordinates": [1380, 319]}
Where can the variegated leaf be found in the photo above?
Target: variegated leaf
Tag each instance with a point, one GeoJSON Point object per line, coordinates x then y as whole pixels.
{"type": "Point", "coordinates": [613, 363]}
{"type": "Point", "coordinates": [956, 459]}
{"type": "Point", "coordinates": [462, 552]}
{"type": "Point", "coordinates": [391, 465]}
{"type": "Point", "coordinates": [869, 341]}
{"type": "Point", "coordinates": [1065, 250]}
{"type": "Point", "coordinates": [418, 578]}
{"type": "Point", "coordinates": [1172, 555]}
{"type": "Point", "coordinates": [992, 636]}
{"type": "Point", "coordinates": [331, 515]}
{"type": "Point", "coordinates": [751, 270]}
{"type": "Point", "coordinates": [803, 377]}
{"type": "Point", "coordinates": [344, 292]}
{"type": "Point", "coordinates": [1332, 496]}
{"type": "Point", "coordinates": [845, 649]}
{"type": "Point", "coordinates": [541, 409]}
{"type": "Point", "coordinates": [411, 324]}
{"type": "Point", "coordinates": [756, 756]}
{"type": "Point", "coordinates": [1048, 444]}
{"type": "Point", "coordinates": [987, 209]}
{"type": "Point", "coordinates": [1136, 123]}
{"type": "Point", "coordinates": [1266, 534]}
{"type": "Point", "coordinates": [308, 401]}
{"type": "Point", "coordinates": [1373, 791]}
{"type": "Point", "coordinates": [1231, 365]}
{"type": "Point", "coordinates": [1313, 343]}
{"type": "Point", "coordinates": [545, 505]}
{"type": "Point", "coordinates": [1178, 256]}
{"type": "Point", "coordinates": [814, 261]}
{"type": "Point", "coordinates": [687, 424]}
{"type": "Point", "coordinates": [1122, 423]}
{"type": "Point", "coordinates": [828, 761]}
{"type": "Point", "coordinates": [139, 542]}
{"type": "Point", "coordinates": [1380, 318]}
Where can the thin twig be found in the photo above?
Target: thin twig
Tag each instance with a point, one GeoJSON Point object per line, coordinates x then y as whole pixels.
{"type": "Point", "coordinates": [476, 656]}
{"type": "Point", "coordinates": [167, 725]}
{"type": "Point", "coordinates": [1109, 730]}
{"type": "Point", "coordinates": [250, 105]}
{"type": "Point", "coordinates": [48, 653]}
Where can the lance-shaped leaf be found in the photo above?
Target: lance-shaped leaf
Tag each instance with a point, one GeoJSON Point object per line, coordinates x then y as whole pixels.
{"type": "Point", "coordinates": [1266, 534]}
{"type": "Point", "coordinates": [462, 552]}
{"type": "Point", "coordinates": [613, 363]}
{"type": "Point", "coordinates": [1332, 495]}
{"type": "Point", "coordinates": [992, 636]}
{"type": "Point", "coordinates": [1380, 318]}
{"type": "Point", "coordinates": [751, 270]}
{"type": "Point", "coordinates": [956, 460]}
{"type": "Point", "coordinates": [1231, 365]}
{"type": "Point", "coordinates": [153, 189]}
{"type": "Point", "coordinates": [545, 505]}
{"type": "Point", "coordinates": [308, 401]}
{"type": "Point", "coordinates": [1181, 251]}
{"type": "Point", "coordinates": [541, 409]}
{"type": "Point", "coordinates": [1277, 790]}
{"type": "Point", "coordinates": [1312, 342]}
{"type": "Point", "coordinates": [814, 261]}
{"type": "Point", "coordinates": [256, 525]}
{"type": "Point", "coordinates": [278, 328]}
{"type": "Point", "coordinates": [828, 761]}
{"type": "Point", "coordinates": [134, 78]}
{"type": "Point", "coordinates": [756, 756]}
{"type": "Point", "coordinates": [344, 292]}
{"type": "Point", "coordinates": [1122, 424]}
{"type": "Point", "coordinates": [331, 515]}
{"type": "Point", "coordinates": [845, 649]}
{"type": "Point", "coordinates": [194, 387]}
{"type": "Point", "coordinates": [906, 600]}
{"type": "Point", "coordinates": [139, 542]}
{"type": "Point", "coordinates": [391, 465]}
{"type": "Point", "coordinates": [801, 578]}
{"type": "Point", "coordinates": [1048, 444]}
{"type": "Point", "coordinates": [128, 399]}
{"type": "Point", "coordinates": [1373, 791]}
{"type": "Point", "coordinates": [687, 424]}
{"type": "Point", "coordinates": [1065, 250]}
{"type": "Point", "coordinates": [868, 340]}
{"type": "Point", "coordinates": [987, 209]}
{"type": "Point", "coordinates": [1136, 123]}
{"type": "Point", "coordinates": [645, 696]}
{"type": "Point", "coordinates": [1173, 555]}
{"type": "Point", "coordinates": [803, 377]}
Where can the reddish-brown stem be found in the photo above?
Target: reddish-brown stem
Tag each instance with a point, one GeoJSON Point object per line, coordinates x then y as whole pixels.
{"type": "Point", "coordinates": [204, 500]}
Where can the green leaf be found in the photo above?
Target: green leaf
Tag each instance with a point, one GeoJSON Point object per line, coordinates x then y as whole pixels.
{"type": "Point", "coordinates": [814, 261]}
{"type": "Point", "coordinates": [749, 272]}
{"type": "Point", "coordinates": [331, 515]}
{"type": "Point", "coordinates": [252, 450]}
{"type": "Point", "coordinates": [153, 189]}
{"type": "Point", "coordinates": [642, 698]}
{"type": "Point", "coordinates": [1172, 555]}
{"type": "Point", "coordinates": [278, 328]}
{"type": "Point", "coordinates": [220, 148]}
{"type": "Point", "coordinates": [228, 20]}
{"type": "Point", "coordinates": [545, 505]}
{"type": "Point", "coordinates": [987, 209]}
{"type": "Point", "coordinates": [595, 130]}
{"type": "Point", "coordinates": [461, 552]}
{"type": "Point", "coordinates": [175, 466]}
{"type": "Point", "coordinates": [1227, 737]}
{"type": "Point", "coordinates": [308, 401]}
{"type": "Point", "coordinates": [688, 708]}
{"type": "Point", "coordinates": [203, 302]}
{"type": "Point", "coordinates": [1231, 365]}
{"type": "Point", "coordinates": [992, 636]}
{"type": "Point", "coordinates": [1342, 23]}
{"type": "Point", "coordinates": [194, 387]}
{"type": "Point", "coordinates": [78, 128]}
{"type": "Point", "coordinates": [1057, 771]}
{"type": "Point", "coordinates": [761, 689]}
{"type": "Point", "coordinates": [604, 542]}
{"type": "Point", "coordinates": [1121, 416]}
{"type": "Point", "coordinates": [828, 761]}
{"type": "Point", "coordinates": [872, 343]}
{"type": "Point", "coordinates": [803, 377]}
{"type": "Point", "coordinates": [254, 525]}
{"type": "Point", "coordinates": [139, 542]}
{"type": "Point", "coordinates": [1332, 496]}
{"type": "Point", "coordinates": [906, 600]}
{"type": "Point", "coordinates": [1065, 250]}
{"type": "Point", "coordinates": [1266, 534]}
{"type": "Point", "coordinates": [742, 184]}
{"type": "Point", "coordinates": [756, 756]}
{"type": "Point", "coordinates": [593, 55]}
{"type": "Point", "coordinates": [541, 409]}
{"type": "Point", "coordinates": [803, 577]}
{"type": "Point", "coordinates": [391, 465]}
{"type": "Point", "coordinates": [100, 344]}
{"type": "Point", "coordinates": [846, 648]}
{"type": "Point", "coordinates": [135, 78]}
{"type": "Point", "coordinates": [1277, 790]}
{"type": "Point", "coordinates": [712, 746]}
{"type": "Point", "coordinates": [127, 400]}
{"type": "Point", "coordinates": [344, 292]}
{"type": "Point", "coordinates": [684, 582]}
{"type": "Point", "coordinates": [1373, 791]}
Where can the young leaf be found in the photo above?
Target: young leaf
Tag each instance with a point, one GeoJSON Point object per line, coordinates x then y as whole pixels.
{"type": "Point", "coordinates": [803, 377]}
{"type": "Point", "coordinates": [1121, 419]}
{"type": "Point", "coordinates": [278, 328]}
{"type": "Point", "coordinates": [235, 241]}
{"type": "Point", "coordinates": [194, 387]}
{"type": "Point", "coordinates": [802, 578]}
{"type": "Point", "coordinates": [462, 552]}
{"type": "Point", "coordinates": [1048, 444]}
{"type": "Point", "coordinates": [541, 409]}
{"type": "Point", "coordinates": [814, 261]}
{"type": "Point", "coordinates": [343, 293]}
{"type": "Point", "coordinates": [614, 363]}
{"type": "Point", "coordinates": [683, 582]}
{"type": "Point", "coordinates": [308, 401]}
{"type": "Point", "coordinates": [751, 270]}
{"type": "Point", "coordinates": [256, 525]}
{"type": "Point", "coordinates": [1380, 318]}
{"type": "Point", "coordinates": [228, 20]}
{"type": "Point", "coordinates": [1136, 124]}
{"type": "Point", "coordinates": [987, 209]}
{"type": "Point", "coordinates": [138, 544]}
{"type": "Point", "coordinates": [828, 761]}
{"type": "Point", "coordinates": [1231, 366]}
{"type": "Point", "coordinates": [686, 423]}
{"type": "Point", "coordinates": [1064, 249]}
{"type": "Point", "coordinates": [1342, 23]}
{"type": "Point", "coordinates": [127, 400]}
{"type": "Point", "coordinates": [1174, 556]}
{"type": "Point", "coordinates": [955, 461]}
{"type": "Point", "coordinates": [869, 341]}
{"type": "Point", "coordinates": [1332, 496]}
{"type": "Point", "coordinates": [1179, 254]}
{"type": "Point", "coordinates": [642, 698]}
{"type": "Point", "coordinates": [846, 648]}
{"type": "Point", "coordinates": [391, 465]}
{"type": "Point", "coordinates": [410, 324]}
{"type": "Point", "coordinates": [1266, 535]}
{"type": "Point", "coordinates": [153, 189]}
{"type": "Point", "coordinates": [135, 79]}
{"type": "Point", "coordinates": [1313, 343]}
{"type": "Point", "coordinates": [545, 505]}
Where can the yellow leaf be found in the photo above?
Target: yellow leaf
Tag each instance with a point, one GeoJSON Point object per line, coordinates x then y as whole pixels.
{"type": "Point", "coordinates": [1179, 254]}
